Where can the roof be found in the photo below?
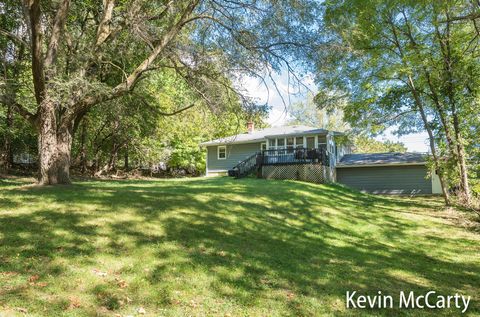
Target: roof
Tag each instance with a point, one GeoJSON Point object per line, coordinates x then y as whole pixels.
{"type": "Point", "coordinates": [383, 159]}
{"type": "Point", "coordinates": [261, 135]}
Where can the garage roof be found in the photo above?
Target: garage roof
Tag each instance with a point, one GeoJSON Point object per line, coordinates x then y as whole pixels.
{"type": "Point", "coordinates": [394, 158]}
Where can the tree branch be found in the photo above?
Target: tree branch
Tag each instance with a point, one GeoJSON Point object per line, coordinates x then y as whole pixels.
{"type": "Point", "coordinates": [471, 16]}
{"type": "Point", "coordinates": [13, 37]}
{"type": "Point", "coordinates": [19, 108]}
{"type": "Point", "coordinates": [33, 7]}
{"type": "Point", "coordinates": [57, 30]}
{"type": "Point", "coordinates": [165, 114]}
{"type": "Point", "coordinates": [129, 83]}
{"type": "Point", "coordinates": [103, 31]}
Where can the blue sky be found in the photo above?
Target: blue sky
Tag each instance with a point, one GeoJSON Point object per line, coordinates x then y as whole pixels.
{"type": "Point", "coordinates": [283, 94]}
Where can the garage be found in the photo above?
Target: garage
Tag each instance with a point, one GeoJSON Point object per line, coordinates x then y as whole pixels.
{"type": "Point", "coordinates": [386, 173]}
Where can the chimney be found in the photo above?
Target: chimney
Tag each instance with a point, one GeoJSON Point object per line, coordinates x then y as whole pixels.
{"type": "Point", "coordinates": [250, 127]}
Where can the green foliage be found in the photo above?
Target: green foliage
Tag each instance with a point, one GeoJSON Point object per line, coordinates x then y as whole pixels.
{"type": "Point", "coordinates": [365, 144]}
{"type": "Point", "coordinates": [140, 125]}
{"type": "Point", "coordinates": [404, 64]}
{"type": "Point", "coordinates": [307, 113]}
{"type": "Point", "coordinates": [124, 64]}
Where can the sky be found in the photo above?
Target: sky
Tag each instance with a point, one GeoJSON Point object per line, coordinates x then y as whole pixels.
{"type": "Point", "coordinates": [279, 94]}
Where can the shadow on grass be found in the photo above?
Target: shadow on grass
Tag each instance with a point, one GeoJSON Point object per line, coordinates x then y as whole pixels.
{"type": "Point", "coordinates": [253, 237]}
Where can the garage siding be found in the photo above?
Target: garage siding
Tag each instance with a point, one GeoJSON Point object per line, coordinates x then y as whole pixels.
{"type": "Point", "coordinates": [387, 179]}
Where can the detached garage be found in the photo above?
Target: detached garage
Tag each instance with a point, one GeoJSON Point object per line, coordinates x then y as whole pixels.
{"type": "Point", "coordinates": [387, 173]}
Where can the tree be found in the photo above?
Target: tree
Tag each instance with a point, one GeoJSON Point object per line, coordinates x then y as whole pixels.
{"type": "Point", "coordinates": [398, 66]}
{"type": "Point", "coordinates": [86, 53]}
{"type": "Point", "coordinates": [364, 144]}
{"type": "Point", "coordinates": [158, 124]}
{"type": "Point", "coordinates": [308, 113]}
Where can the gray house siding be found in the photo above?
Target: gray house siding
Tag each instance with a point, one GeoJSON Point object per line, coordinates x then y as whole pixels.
{"type": "Point", "coordinates": [235, 154]}
{"type": "Point", "coordinates": [408, 179]}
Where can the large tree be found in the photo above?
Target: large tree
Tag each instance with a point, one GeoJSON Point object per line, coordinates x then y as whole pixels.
{"type": "Point", "coordinates": [84, 53]}
{"type": "Point", "coordinates": [398, 63]}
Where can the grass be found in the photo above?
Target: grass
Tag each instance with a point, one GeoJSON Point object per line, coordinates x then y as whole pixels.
{"type": "Point", "coordinates": [223, 247]}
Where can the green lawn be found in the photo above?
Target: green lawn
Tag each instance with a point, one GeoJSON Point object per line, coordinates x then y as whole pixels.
{"type": "Point", "coordinates": [224, 247]}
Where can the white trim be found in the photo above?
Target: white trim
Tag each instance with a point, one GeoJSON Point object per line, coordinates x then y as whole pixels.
{"type": "Point", "coordinates": [436, 185]}
{"type": "Point", "coordinates": [214, 173]}
{"type": "Point", "coordinates": [316, 141]}
{"type": "Point", "coordinates": [374, 165]}
{"type": "Point", "coordinates": [233, 142]}
{"type": "Point", "coordinates": [206, 164]}
{"type": "Point", "coordinates": [296, 134]}
{"type": "Point", "coordinates": [218, 152]}
{"type": "Point", "coordinates": [266, 146]}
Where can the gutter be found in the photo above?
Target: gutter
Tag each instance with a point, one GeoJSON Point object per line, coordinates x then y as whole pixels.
{"type": "Point", "coordinates": [385, 164]}
{"type": "Point", "coordinates": [232, 142]}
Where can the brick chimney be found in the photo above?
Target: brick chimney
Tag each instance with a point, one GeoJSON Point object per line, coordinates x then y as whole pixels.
{"type": "Point", "coordinates": [250, 127]}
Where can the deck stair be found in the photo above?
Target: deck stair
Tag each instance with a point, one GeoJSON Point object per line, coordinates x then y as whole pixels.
{"type": "Point", "coordinates": [247, 167]}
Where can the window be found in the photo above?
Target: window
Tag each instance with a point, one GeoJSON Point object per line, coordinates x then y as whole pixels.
{"type": "Point", "coordinates": [310, 142]}
{"type": "Point", "coordinates": [222, 152]}
{"type": "Point", "coordinates": [280, 143]}
{"type": "Point", "coordinates": [290, 144]}
{"type": "Point", "coordinates": [299, 141]}
{"type": "Point", "coordinates": [263, 147]}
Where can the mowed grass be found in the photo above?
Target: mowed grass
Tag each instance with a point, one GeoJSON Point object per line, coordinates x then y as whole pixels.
{"type": "Point", "coordinates": [224, 247]}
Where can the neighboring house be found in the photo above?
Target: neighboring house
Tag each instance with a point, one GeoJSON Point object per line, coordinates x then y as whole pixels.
{"type": "Point", "coordinates": [312, 154]}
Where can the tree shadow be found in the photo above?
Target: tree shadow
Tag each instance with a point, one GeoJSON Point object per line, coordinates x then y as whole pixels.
{"type": "Point", "coordinates": [283, 242]}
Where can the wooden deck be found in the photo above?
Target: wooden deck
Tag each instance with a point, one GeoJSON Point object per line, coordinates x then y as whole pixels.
{"type": "Point", "coordinates": [287, 163]}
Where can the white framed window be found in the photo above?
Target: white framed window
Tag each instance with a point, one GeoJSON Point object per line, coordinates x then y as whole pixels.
{"type": "Point", "coordinates": [280, 143]}
{"type": "Point", "coordinates": [299, 141]}
{"type": "Point", "coordinates": [221, 152]}
{"type": "Point", "coordinates": [290, 144]}
{"type": "Point", "coordinates": [263, 146]}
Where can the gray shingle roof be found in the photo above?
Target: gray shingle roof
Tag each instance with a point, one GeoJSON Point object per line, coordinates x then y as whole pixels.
{"type": "Point", "coordinates": [260, 135]}
{"type": "Point", "coordinates": [383, 158]}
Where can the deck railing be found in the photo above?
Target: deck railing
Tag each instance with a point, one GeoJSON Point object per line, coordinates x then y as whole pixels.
{"type": "Point", "coordinates": [297, 155]}
{"type": "Point", "coordinates": [285, 156]}
{"type": "Point", "coordinates": [247, 166]}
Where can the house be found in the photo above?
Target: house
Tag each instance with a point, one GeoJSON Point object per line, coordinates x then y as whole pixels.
{"type": "Point", "coordinates": [318, 155]}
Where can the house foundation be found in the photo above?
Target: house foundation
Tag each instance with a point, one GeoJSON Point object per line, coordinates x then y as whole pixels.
{"type": "Point", "coordinates": [314, 173]}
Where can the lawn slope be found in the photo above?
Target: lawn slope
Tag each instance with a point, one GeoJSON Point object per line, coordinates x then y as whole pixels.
{"type": "Point", "coordinates": [223, 247]}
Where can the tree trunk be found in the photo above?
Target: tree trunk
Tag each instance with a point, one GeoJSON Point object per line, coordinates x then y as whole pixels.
{"type": "Point", "coordinates": [47, 144]}
{"type": "Point", "coordinates": [53, 147]}
{"type": "Point", "coordinates": [126, 165]}
{"type": "Point", "coordinates": [431, 138]}
{"type": "Point", "coordinates": [64, 148]}
{"type": "Point", "coordinates": [448, 61]}
{"type": "Point", "coordinates": [8, 143]}
{"type": "Point", "coordinates": [421, 109]}
{"type": "Point", "coordinates": [83, 148]}
{"type": "Point", "coordinates": [6, 156]}
{"type": "Point", "coordinates": [462, 160]}
{"type": "Point", "coordinates": [112, 162]}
